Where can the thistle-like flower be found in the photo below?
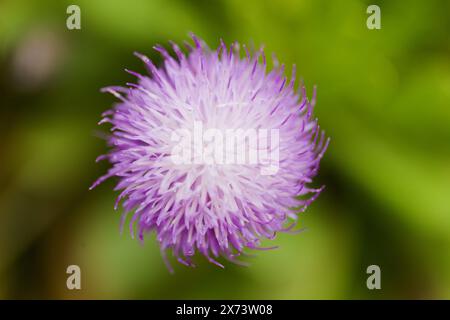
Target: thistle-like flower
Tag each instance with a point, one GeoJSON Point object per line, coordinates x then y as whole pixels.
{"type": "Point", "coordinates": [212, 151]}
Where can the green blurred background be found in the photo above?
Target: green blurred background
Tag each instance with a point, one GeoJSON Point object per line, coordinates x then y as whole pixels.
{"type": "Point", "coordinates": [383, 98]}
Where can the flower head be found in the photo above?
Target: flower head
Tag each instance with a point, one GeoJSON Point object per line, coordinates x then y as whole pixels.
{"type": "Point", "coordinates": [212, 151]}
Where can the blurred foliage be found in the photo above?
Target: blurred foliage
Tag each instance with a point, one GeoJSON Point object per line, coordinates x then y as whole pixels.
{"type": "Point", "coordinates": [383, 98]}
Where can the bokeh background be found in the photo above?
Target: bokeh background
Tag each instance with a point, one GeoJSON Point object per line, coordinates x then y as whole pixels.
{"type": "Point", "coordinates": [383, 98]}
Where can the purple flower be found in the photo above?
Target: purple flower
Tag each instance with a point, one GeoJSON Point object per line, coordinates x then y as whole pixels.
{"type": "Point", "coordinates": [213, 152]}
